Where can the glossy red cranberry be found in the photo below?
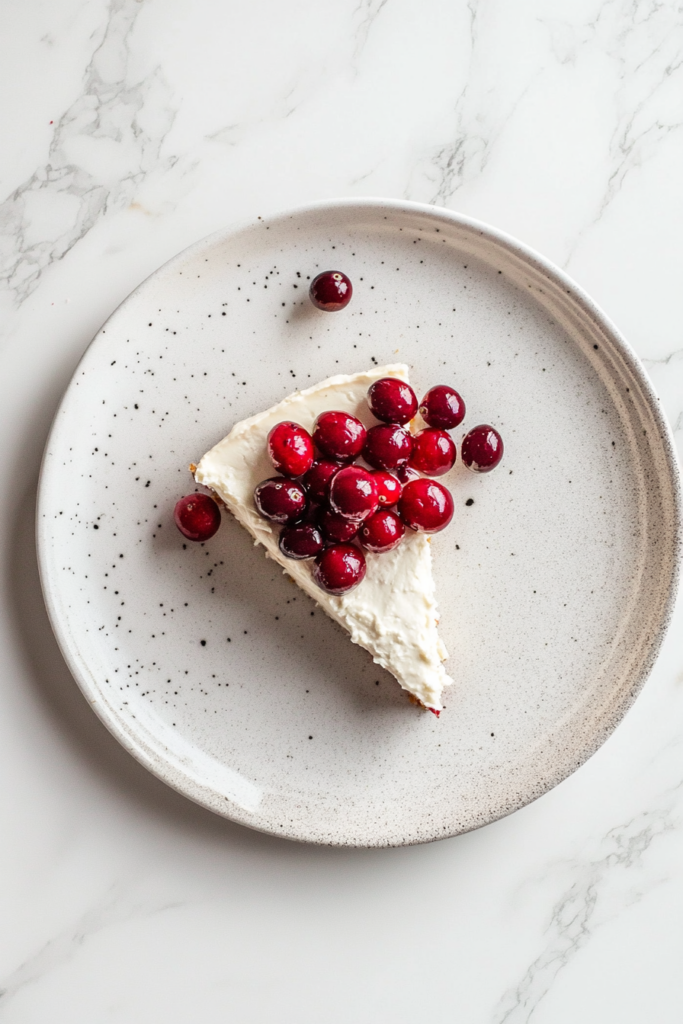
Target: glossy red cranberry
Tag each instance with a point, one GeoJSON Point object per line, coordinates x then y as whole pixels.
{"type": "Point", "coordinates": [353, 493]}
{"type": "Point", "coordinates": [318, 478]}
{"type": "Point", "coordinates": [388, 488]}
{"type": "Point", "coordinates": [339, 568]}
{"type": "Point", "coordinates": [392, 400]}
{"type": "Point", "coordinates": [387, 446]}
{"type": "Point", "coordinates": [280, 500]}
{"type": "Point", "coordinates": [197, 516]}
{"type": "Point", "coordinates": [426, 506]}
{"type": "Point", "coordinates": [405, 474]}
{"type": "Point", "coordinates": [339, 436]}
{"type": "Point", "coordinates": [433, 452]}
{"type": "Point", "coordinates": [331, 291]}
{"type": "Point", "coordinates": [336, 528]}
{"type": "Point", "coordinates": [381, 532]}
{"type": "Point", "coordinates": [302, 541]}
{"type": "Point", "coordinates": [442, 407]}
{"type": "Point", "coordinates": [290, 448]}
{"type": "Point", "coordinates": [482, 448]}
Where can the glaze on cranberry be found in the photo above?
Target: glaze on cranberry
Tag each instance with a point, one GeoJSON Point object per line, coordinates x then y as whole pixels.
{"type": "Point", "coordinates": [280, 500]}
{"type": "Point", "coordinates": [331, 291]}
{"type": "Point", "coordinates": [302, 541]}
{"type": "Point", "coordinates": [318, 478]}
{"type": "Point", "coordinates": [197, 516]}
{"type": "Point", "coordinates": [290, 448]}
{"type": "Point", "coordinates": [388, 488]}
{"type": "Point", "coordinates": [392, 400]}
{"type": "Point", "coordinates": [382, 532]}
{"type": "Point", "coordinates": [339, 436]}
{"type": "Point", "coordinates": [426, 506]}
{"type": "Point", "coordinates": [433, 452]}
{"type": "Point", "coordinates": [336, 528]}
{"type": "Point", "coordinates": [482, 448]}
{"type": "Point", "coordinates": [387, 446]}
{"type": "Point", "coordinates": [353, 493]}
{"type": "Point", "coordinates": [339, 568]}
{"type": "Point", "coordinates": [442, 407]}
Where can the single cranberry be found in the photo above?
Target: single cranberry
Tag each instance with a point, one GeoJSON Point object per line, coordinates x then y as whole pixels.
{"type": "Point", "coordinates": [290, 448]}
{"type": "Point", "coordinates": [335, 527]}
{"type": "Point", "coordinates": [392, 400]}
{"type": "Point", "coordinates": [388, 488]}
{"type": "Point", "coordinates": [426, 506]}
{"type": "Point", "coordinates": [387, 446]}
{"type": "Point", "coordinates": [482, 448]}
{"type": "Point", "coordinates": [339, 569]}
{"type": "Point", "coordinates": [442, 407]}
{"type": "Point", "coordinates": [331, 291]}
{"type": "Point", "coordinates": [353, 493]}
{"type": "Point", "coordinates": [197, 516]}
{"type": "Point", "coordinates": [317, 480]}
{"type": "Point", "coordinates": [433, 452]}
{"type": "Point", "coordinates": [302, 541]}
{"type": "Point", "coordinates": [381, 532]}
{"type": "Point", "coordinates": [339, 435]}
{"type": "Point", "coordinates": [280, 500]}
{"type": "Point", "coordinates": [405, 474]}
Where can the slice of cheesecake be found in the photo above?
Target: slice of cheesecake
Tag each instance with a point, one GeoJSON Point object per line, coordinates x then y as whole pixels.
{"type": "Point", "coordinates": [393, 612]}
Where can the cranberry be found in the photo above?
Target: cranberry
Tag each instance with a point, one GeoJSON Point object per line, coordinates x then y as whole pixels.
{"type": "Point", "coordinates": [353, 493]}
{"type": "Point", "coordinates": [339, 436]}
{"type": "Point", "coordinates": [388, 488]}
{"type": "Point", "coordinates": [339, 568]}
{"type": "Point", "coordinates": [280, 500]}
{"type": "Point", "coordinates": [405, 474]}
{"type": "Point", "coordinates": [442, 407]}
{"type": "Point", "coordinates": [290, 448]}
{"type": "Point", "coordinates": [197, 516]}
{"type": "Point", "coordinates": [381, 532]}
{"type": "Point", "coordinates": [302, 541]}
{"type": "Point", "coordinates": [318, 478]}
{"type": "Point", "coordinates": [331, 291]}
{"type": "Point", "coordinates": [387, 446]}
{"type": "Point", "coordinates": [426, 506]}
{"type": "Point", "coordinates": [392, 400]}
{"type": "Point", "coordinates": [335, 527]}
{"type": "Point", "coordinates": [482, 448]}
{"type": "Point", "coordinates": [433, 452]}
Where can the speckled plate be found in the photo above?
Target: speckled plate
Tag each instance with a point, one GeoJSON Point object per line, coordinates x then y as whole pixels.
{"type": "Point", "coordinates": [555, 579]}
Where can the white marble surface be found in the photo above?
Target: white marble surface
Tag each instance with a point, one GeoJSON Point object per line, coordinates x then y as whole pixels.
{"type": "Point", "coordinates": [131, 128]}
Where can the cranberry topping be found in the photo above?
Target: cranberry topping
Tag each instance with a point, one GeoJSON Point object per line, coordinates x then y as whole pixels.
{"type": "Point", "coordinates": [482, 448]}
{"type": "Point", "coordinates": [197, 516]}
{"type": "Point", "coordinates": [387, 446]}
{"type": "Point", "coordinates": [381, 532]}
{"type": "Point", "coordinates": [388, 488]}
{"type": "Point", "coordinates": [339, 436]}
{"type": "Point", "coordinates": [392, 400]}
{"type": "Point", "coordinates": [331, 291]}
{"type": "Point", "coordinates": [426, 506]}
{"type": "Point", "coordinates": [339, 569]}
{"type": "Point", "coordinates": [302, 541]}
{"type": "Point", "coordinates": [433, 452]}
{"type": "Point", "coordinates": [290, 448]}
{"type": "Point", "coordinates": [335, 527]}
{"type": "Point", "coordinates": [280, 500]}
{"type": "Point", "coordinates": [318, 478]}
{"type": "Point", "coordinates": [353, 493]}
{"type": "Point", "coordinates": [442, 407]}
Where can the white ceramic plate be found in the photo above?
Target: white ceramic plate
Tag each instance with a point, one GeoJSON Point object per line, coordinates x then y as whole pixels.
{"type": "Point", "coordinates": [555, 584]}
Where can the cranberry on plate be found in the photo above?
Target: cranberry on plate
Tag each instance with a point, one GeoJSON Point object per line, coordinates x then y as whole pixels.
{"type": "Point", "coordinates": [353, 493]}
{"type": "Point", "coordinates": [387, 446]}
{"type": "Point", "coordinates": [301, 541]}
{"type": "Point", "coordinates": [482, 448]}
{"type": "Point", "coordinates": [392, 400]}
{"type": "Point", "coordinates": [335, 527]}
{"type": "Point", "coordinates": [382, 532]}
{"type": "Point", "coordinates": [339, 568]}
{"type": "Point", "coordinates": [338, 435]}
{"type": "Point", "coordinates": [280, 500]}
{"type": "Point", "coordinates": [405, 474]}
{"type": "Point", "coordinates": [433, 452]}
{"type": "Point", "coordinates": [317, 480]}
{"type": "Point", "coordinates": [197, 516]}
{"type": "Point", "coordinates": [290, 448]}
{"type": "Point", "coordinates": [442, 407]}
{"type": "Point", "coordinates": [330, 291]}
{"type": "Point", "coordinates": [388, 488]}
{"type": "Point", "coordinates": [426, 506]}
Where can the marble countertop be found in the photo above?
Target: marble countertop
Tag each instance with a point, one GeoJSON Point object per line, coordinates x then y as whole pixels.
{"type": "Point", "coordinates": [133, 127]}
